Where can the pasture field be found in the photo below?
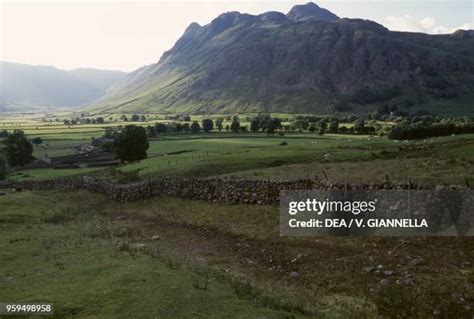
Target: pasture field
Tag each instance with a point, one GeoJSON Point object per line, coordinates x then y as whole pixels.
{"type": "Point", "coordinates": [52, 126]}
{"type": "Point", "coordinates": [357, 158]}
{"type": "Point", "coordinates": [245, 155]}
{"type": "Point", "coordinates": [174, 258]}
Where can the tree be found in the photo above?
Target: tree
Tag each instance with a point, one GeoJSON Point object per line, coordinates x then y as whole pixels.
{"type": "Point", "coordinates": [171, 127]}
{"type": "Point", "coordinates": [3, 133]}
{"type": "Point", "coordinates": [160, 128]}
{"type": "Point", "coordinates": [100, 120]}
{"type": "Point", "coordinates": [124, 118]}
{"type": "Point", "coordinates": [150, 131]}
{"type": "Point", "coordinates": [195, 127]}
{"type": "Point", "coordinates": [179, 127]}
{"type": "Point", "coordinates": [131, 144]}
{"type": "Point", "coordinates": [301, 124]}
{"type": "Point", "coordinates": [334, 125]}
{"type": "Point", "coordinates": [219, 124]}
{"type": "Point", "coordinates": [359, 126]}
{"type": "Point", "coordinates": [207, 125]}
{"type": "Point", "coordinates": [143, 118]}
{"type": "Point", "coordinates": [187, 118]}
{"type": "Point", "coordinates": [3, 167]}
{"type": "Point", "coordinates": [186, 127]}
{"type": "Point", "coordinates": [18, 149]}
{"type": "Point", "coordinates": [135, 118]}
{"type": "Point", "coordinates": [273, 125]}
{"type": "Point", "coordinates": [235, 125]}
{"type": "Point", "coordinates": [323, 124]}
{"type": "Point", "coordinates": [321, 131]}
{"type": "Point", "coordinates": [255, 125]}
{"type": "Point", "coordinates": [37, 141]}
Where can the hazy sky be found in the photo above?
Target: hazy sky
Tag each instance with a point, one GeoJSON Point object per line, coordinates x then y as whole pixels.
{"type": "Point", "coordinates": [126, 35]}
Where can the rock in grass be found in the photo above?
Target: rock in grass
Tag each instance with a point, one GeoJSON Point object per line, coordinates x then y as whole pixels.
{"type": "Point", "coordinates": [416, 262]}
{"type": "Point", "coordinates": [295, 275]}
{"type": "Point", "coordinates": [2, 193]}
{"type": "Point", "coordinates": [369, 269]}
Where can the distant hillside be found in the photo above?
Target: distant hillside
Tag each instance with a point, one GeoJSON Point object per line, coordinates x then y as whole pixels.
{"type": "Point", "coordinates": [309, 60]}
{"type": "Point", "coordinates": [32, 88]}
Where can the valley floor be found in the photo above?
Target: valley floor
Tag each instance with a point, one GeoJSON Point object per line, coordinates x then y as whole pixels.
{"type": "Point", "coordinates": [169, 258]}
{"type": "Point", "coordinates": [359, 159]}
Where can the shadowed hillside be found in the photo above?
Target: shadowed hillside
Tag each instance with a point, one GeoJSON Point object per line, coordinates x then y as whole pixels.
{"type": "Point", "coordinates": [309, 60]}
{"type": "Point", "coordinates": [33, 88]}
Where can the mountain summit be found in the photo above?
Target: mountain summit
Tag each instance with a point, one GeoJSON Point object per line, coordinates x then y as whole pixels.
{"type": "Point", "coordinates": [311, 11]}
{"type": "Point", "coordinates": [308, 61]}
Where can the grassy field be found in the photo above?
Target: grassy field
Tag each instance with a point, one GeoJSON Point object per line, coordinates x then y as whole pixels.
{"type": "Point", "coordinates": [225, 155]}
{"type": "Point", "coordinates": [245, 155]}
{"type": "Point", "coordinates": [169, 258]}
{"type": "Point", "coordinates": [89, 267]}
{"type": "Point", "coordinates": [354, 157]}
{"type": "Point", "coordinates": [173, 258]}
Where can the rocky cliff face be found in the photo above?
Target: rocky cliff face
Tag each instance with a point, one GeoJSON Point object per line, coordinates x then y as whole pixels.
{"type": "Point", "coordinates": [309, 60]}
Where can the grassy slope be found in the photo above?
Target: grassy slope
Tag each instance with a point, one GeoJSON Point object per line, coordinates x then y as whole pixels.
{"type": "Point", "coordinates": [213, 261]}
{"type": "Point", "coordinates": [54, 251]}
{"type": "Point", "coordinates": [253, 152]}
{"type": "Point", "coordinates": [438, 160]}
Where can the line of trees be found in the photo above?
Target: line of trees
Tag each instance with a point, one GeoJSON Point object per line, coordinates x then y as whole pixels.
{"type": "Point", "coordinates": [267, 124]}
{"type": "Point", "coordinates": [76, 121]}
{"type": "Point", "coordinates": [420, 124]}
{"type": "Point", "coordinates": [101, 120]}
{"type": "Point", "coordinates": [206, 126]}
{"type": "Point", "coordinates": [423, 127]}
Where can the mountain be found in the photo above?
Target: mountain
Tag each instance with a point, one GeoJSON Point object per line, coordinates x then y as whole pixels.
{"type": "Point", "coordinates": [32, 88]}
{"type": "Point", "coordinates": [312, 12]}
{"type": "Point", "coordinates": [307, 61]}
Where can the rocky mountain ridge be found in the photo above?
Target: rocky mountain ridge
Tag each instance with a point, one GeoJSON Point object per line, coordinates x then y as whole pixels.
{"type": "Point", "coordinates": [309, 60]}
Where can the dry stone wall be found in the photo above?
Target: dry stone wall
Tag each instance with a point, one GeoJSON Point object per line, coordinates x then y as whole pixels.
{"type": "Point", "coordinates": [218, 190]}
